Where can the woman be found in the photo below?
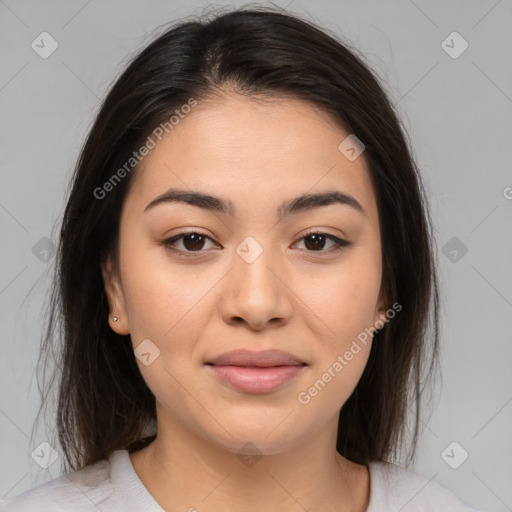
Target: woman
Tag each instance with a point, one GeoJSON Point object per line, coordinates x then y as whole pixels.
{"type": "Point", "coordinates": [245, 279]}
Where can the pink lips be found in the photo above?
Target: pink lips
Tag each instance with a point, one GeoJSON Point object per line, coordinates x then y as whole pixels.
{"type": "Point", "coordinates": [256, 372]}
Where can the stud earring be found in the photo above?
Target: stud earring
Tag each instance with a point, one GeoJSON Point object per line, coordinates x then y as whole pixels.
{"type": "Point", "coordinates": [115, 319]}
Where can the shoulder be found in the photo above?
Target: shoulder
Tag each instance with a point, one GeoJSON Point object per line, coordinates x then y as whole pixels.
{"type": "Point", "coordinates": [81, 491]}
{"type": "Point", "coordinates": [393, 487]}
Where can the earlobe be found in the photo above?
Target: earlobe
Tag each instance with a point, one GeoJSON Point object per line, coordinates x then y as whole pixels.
{"type": "Point", "coordinates": [117, 325]}
{"type": "Point", "coordinates": [117, 319]}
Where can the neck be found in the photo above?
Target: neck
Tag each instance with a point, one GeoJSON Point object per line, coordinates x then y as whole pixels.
{"type": "Point", "coordinates": [184, 471]}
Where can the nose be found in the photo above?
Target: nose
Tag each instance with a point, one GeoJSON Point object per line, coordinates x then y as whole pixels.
{"type": "Point", "coordinates": [256, 293]}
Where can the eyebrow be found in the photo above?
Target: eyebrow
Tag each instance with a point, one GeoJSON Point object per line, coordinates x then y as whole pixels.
{"type": "Point", "coordinates": [302, 203]}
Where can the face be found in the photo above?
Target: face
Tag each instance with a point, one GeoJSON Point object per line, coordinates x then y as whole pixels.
{"type": "Point", "coordinates": [197, 281]}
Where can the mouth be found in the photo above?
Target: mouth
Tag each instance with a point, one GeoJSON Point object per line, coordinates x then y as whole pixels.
{"type": "Point", "coordinates": [256, 372]}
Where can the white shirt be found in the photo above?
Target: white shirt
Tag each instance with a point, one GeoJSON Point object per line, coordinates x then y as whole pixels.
{"type": "Point", "coordinates": [113, 485]}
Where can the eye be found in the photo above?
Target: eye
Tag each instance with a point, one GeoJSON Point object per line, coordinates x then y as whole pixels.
{"type": "Point", "coordinates": [315, 242]}
{"type": "Point", "coordinates": [192, 241]}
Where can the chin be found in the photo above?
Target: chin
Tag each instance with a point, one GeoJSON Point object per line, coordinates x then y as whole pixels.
{"type": "Point", "coordinates": [256, 444]}
{"type": "Point", "coordinates": [257, 433]}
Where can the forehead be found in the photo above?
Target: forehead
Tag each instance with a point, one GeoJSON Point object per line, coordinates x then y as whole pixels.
{"type": "Point", "coordinates": [252, 152]}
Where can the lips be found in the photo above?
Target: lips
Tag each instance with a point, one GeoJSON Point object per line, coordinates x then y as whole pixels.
{"type": "Point", "coordinates": [256, 372]}
{"type": "Point", "coordinates": [261, 359]}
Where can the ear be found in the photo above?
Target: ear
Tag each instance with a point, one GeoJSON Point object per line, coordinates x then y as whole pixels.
{"type": "Point", "coordinates": [382, 307]}
{"type": "Point", "coordinates": [115, 297]}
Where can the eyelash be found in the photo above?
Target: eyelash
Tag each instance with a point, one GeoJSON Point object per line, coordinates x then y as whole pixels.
{"type": "Point", "coordinates": [169, 243]}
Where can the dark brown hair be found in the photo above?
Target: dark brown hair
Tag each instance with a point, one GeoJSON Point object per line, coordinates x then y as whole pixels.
{"type": "Point", "coordinates": [103, 403]}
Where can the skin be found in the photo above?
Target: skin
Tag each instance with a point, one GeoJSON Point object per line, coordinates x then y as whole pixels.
{"type": "Point", "coordinates": [293, 297]}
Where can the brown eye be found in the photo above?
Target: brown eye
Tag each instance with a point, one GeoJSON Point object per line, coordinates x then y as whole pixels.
{"type": "Point", "coordinates": [194, 242]}
{"type": "Point", "coordinates": [316, 241]}
{"type": "Point", "coordinates": [191, 241]}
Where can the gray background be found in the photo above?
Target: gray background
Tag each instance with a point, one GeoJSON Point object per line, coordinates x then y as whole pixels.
{"type": "Point", "coordinates": [457, 112]}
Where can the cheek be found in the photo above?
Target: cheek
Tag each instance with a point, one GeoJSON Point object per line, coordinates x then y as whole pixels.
{"type": "Point", "coordinates": [170, 311]}
{"type": "Point", "coordinates": [341, 303]}
{"type": "Point", "coordinates": [347, 310]}
{"type": "Point", "coordinates": [336, 373]}
{"type": "Point", "coordinates": [163, 304]}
